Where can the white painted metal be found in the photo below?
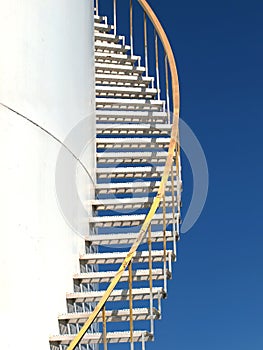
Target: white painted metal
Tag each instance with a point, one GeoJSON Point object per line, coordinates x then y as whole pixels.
{"type": "Point", "coordinates": [124, 238]}
{"type": "Point", "coordinates": [107, 276]}
{"type": "Point", "coordinates": [112, 337]}
{"type": "Point", "coordinates": [117, 295]}
{"type": "Point", "coordinates": [130, 129]}
{"type": "Point", "coordinates": [117, 257]}
{"type": "Point", "coordinates": [120, 315]}
{"type": "Point", "coordinates": [46, 70]}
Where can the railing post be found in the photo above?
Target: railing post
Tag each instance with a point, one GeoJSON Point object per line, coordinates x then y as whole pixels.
{"type": "Point", "coordinates": [150, 277]}
{"type": "Point", "coordinates": [178, 183]}
{"type": "Point", "coordinates": [143, 342]}
{"type": "Point", "coordinates": [167, 90]}
{"type": "Point", "coordinates": [131, 27]}
{"type": "Point", "coordinates": [97, 7]}
{"type": "Point", "coordinates": [157, 65]}
{"type": "Point", "coordinates": [104, 328]}
{"type": "Point", "coordinates": [173, 206]}
{"type": "Point", "coordinates": [164, 244]}
{"type": "Point", "coordinates": [131, 306]}
{"type": "Point", "coordinates": [145, 44]}
{"type": "Point", "coordinates": [115, 17]}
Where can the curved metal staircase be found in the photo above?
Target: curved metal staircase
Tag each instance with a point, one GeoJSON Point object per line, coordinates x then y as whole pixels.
{"type": "Point", "coordinates": [135, 227]}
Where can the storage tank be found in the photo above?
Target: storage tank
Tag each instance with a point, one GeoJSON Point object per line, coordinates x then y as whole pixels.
{"type": "Point", "coordinates": [46, 90]}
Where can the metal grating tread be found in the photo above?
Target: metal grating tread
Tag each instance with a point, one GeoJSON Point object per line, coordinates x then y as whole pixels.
{"type": "Point", "coordinates": [131, 185]}
{"type": "Point", "coordinates": [130, 170]}
{"type": "Point", "coordinates": [125, 59]}
{"type": "Point", "coordinates": [107, 37]}
{"type": "Point", "coordinates": [125, 238]}
{"type": "Point", "coordinates": [102, 27]}
{"type": "Point", "coordinates": [136, 127]}
{"type": "Point", "coordinates": [99, 19]}
{"type": "Point", "coordinates": [95, 338]}
{"type": "Point", "coordinates": [122, 79]}
{"type": "Point", "coordinates": [132, 155]}
{"type": "Point", "coordinates": [118, 257]}
{"type": "Point", "coordinates": [117, 295]}
{"type": "Point", "coordinates": [119, 90]}
{"type": "Point", "coordinates": [111, 47]}
{"type": "Point", "coordinates": [120, 218]}
{"type": "Point", "coordinates": [125, 140]}
{"type": "Point", "coordinates": [110, 67]}
{"type": "Point", "coordinates": [139, 314]}
{"type": "Point", "coordinates": [107, 276]}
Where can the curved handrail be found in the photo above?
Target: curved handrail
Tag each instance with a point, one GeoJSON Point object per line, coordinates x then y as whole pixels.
{"type": "Point", "coordinates": [173, 145]}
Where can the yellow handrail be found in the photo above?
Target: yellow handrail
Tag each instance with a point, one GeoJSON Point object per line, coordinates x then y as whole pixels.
{"type": "Point", "coordinates": [173, 145]}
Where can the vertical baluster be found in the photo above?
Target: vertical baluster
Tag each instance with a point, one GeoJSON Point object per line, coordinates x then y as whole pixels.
{"type": "Point", "coordinates": [115, 16]}
{"type": "Point", "coordinates": [143, 342]}
{"type": "Point", "coordinates": [145, 44]}
{"type": "Point", "coordinates": [131, 27]}
{"type": "Point", "coordinates": [157, 64]}
{"type": "Point", "coordinates": [173, 206]}
{"type": "Point", "coordinates": [97, 7]}
{"type": "Point", "coordinates": [164, 244]}
{"type": "Point", "coordinates": [178, 181]}
{"type": "Point", "coordinates": [150, 276]}
{"type": "Point", "coordinates": [131, 306]}
{"type": "Point", "coordinates": [167, 90]}
{"type": "Point", "coordinates": [104, 328]}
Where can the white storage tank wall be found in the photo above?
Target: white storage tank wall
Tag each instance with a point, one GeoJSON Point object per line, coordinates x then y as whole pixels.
{"type": "Point", "coordinates": [47, 76]}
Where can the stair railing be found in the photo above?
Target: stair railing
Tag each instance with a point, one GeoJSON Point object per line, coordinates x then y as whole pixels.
{"type": "Point", "coordinates": [173, 159]}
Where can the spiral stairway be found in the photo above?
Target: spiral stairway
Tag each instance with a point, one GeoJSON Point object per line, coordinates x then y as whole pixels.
{"type": "Point", "coordinates": [135, 227]}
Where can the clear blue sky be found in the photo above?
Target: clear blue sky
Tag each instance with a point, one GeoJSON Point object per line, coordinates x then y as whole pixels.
{"type": "Point", "coordinates": [216, 297]}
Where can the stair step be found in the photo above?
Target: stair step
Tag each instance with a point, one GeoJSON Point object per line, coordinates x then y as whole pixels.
{"type": "Point", "coordinates": [140, 314]}
{"type": "Point", "coordinates": [131, 157]}
{"type": "Point", "coordinates": [119, 58]}
{"type": "Point", "coordinates": [102, 27]}
{"type": "Point", "coordinates": [110, 38]}
{"type": "Point", "coordinates": [125, 92]}
{"type": "Point", "coordinates": [95, 338]}
{"type": "Point", "coordinates": [111, 47]}
{"type": "Point", "coordinates": [117, 295]}
{"type": "Point", "coordinates": [102, 221]}
{"type": "Point", "coordinates": [130, 173]}
{"type": "Point", "coordinates": [99, 19]}
{"type": "Point", "coordinates": [131, 187]}
{"type": "Point", "coordinates": [118, 257]}
{"type": "Point", "coordinates": [137, 143]}
{"type": "Point", "coordinates": [127, 203]}
{"type": "Point", "coordinates": [131, 116]}
{"type": "Point", "coordinates": [148, 185]}
{"type": "Point", "coordinates": [107, 276]}
{"type": "Point", "coordinates": [110, 68]}
{"type": "Point", "coordinates": [142, 104]}
{"type": "Point", "coordinates": [125, 238]}
{"type": "Point", "coordinates": [122, 79]}
{"type": "Point", "coordinates": [125, 128]}
{"type": "Point", "coordinates": [133, 140]}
